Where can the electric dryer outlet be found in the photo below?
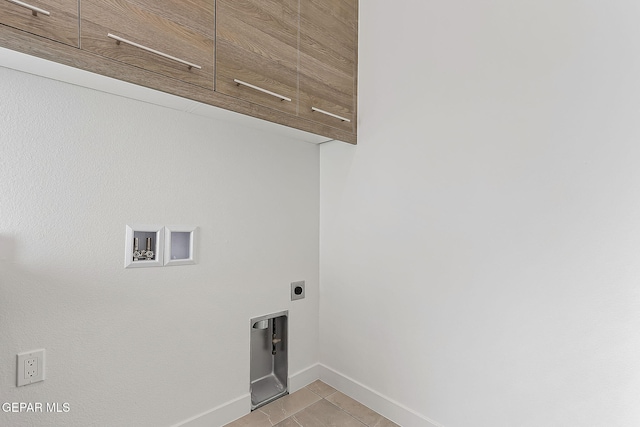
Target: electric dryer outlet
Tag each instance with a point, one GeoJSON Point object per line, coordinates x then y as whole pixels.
{"type": "Point", "coordinates": [297, 290]}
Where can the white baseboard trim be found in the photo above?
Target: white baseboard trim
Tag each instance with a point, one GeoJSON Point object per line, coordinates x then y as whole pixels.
{"type": "Point", "coordinates": [304, 377]}
{"type": "Point", "coordinates": [383, 405]}
{"type": "Point", "coordinates": [220, 415]}
{"type": "Point", "coordinates": [241, 406]}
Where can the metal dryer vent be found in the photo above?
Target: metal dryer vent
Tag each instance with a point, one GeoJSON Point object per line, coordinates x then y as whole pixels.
{"type": "Point", "coordinates": [269, 354]}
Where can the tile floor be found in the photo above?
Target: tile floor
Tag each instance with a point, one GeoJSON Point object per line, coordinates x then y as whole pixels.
{"type": "Point", "coordinates": [316, 405]}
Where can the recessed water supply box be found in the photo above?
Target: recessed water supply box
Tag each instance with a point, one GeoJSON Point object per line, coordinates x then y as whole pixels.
{"type": "Point", "coordinates": [144, 245]}
{"type": "Point", "coordinates": [269, 358]}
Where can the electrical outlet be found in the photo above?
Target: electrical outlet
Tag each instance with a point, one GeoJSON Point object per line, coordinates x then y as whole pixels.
{"type": "Point", "coordinates": [30, 367]}
{"type": "Point", "coordinates": [297, 290]}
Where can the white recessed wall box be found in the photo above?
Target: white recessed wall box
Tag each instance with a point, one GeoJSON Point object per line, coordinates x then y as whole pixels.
{"type": "Point", "coordinates": [179, 245]}
{"type": "Point", "coordinates": [144, 246]}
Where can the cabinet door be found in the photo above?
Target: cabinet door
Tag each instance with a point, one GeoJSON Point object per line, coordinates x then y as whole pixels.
{"type": "Point", "coordinates": [54, 19]}
{"type": "Point", "coordinates": [328, 62]}
{"type": "Point", "coordinates": [171, 38]}
{"type": "Point", "coordinates": [257, 45]}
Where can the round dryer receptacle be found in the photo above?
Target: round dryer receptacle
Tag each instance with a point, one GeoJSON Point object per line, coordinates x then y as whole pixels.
{"type": "Point", "coordinates": [297, 290]}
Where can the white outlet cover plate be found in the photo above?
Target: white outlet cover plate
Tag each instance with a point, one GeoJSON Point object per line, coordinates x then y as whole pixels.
{"type": "Point", "coordinates": [38, 375]}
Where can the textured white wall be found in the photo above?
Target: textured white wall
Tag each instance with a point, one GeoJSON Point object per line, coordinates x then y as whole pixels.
{"type": "Point", "coordinates": [144, 347]}
{"type": "Point", "coordinates": [480, 247]}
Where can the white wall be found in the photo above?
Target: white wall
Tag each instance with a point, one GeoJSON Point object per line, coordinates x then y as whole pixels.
{"type": "Point", "coordinates": [144, 347]}
{"type": "Point", "coordinates": [480, 247]}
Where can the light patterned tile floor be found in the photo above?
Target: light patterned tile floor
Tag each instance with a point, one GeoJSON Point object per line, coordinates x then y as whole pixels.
{"type": "Point", "coordinates": [316, 405]}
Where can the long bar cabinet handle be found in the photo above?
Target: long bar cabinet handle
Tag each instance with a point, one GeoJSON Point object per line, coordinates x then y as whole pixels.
{"type": "Point", "coordinates": [268, 92]}
{"type": "Point", "coordinates": [34, 10]}
{"type": "Point", "coordinates": [156, 52]}
{"type": "Point", "coordinates": [344, 119]}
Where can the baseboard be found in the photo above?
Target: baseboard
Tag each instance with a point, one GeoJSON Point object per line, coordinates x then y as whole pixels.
{"type": "Point", "coordinates": [304, 377]}
{"type": "Point", "coordinates": [241, 406]}
{"type": "Point", "coordinates": [220, 415]}
{"type": "Point", "coordinates": [383, 405]}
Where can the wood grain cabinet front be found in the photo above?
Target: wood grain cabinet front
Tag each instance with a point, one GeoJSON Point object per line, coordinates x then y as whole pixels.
{"type": "Point", "coordinates": [257, 52]}
{"type": "Point", "coordinates": [175, 39]}
{"type": "Point", "coordinates": [292, 62]}
{"type": "Point", "coordinates": [54, 19]}
{"type": "Point", "coordinates": [328, 62]}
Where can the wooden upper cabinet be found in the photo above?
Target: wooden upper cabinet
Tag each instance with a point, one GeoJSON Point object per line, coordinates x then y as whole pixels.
{"type": "Point", "coordinates": [257, 45]}
{"type": "Point", "coordinates": [328, 62]}
{"type": "Point", "coordinates": [172, 38]}
{"type": "Point", "coordinates": [54, 19]}
{"type": "Point", "coordinates": [292, 62]}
